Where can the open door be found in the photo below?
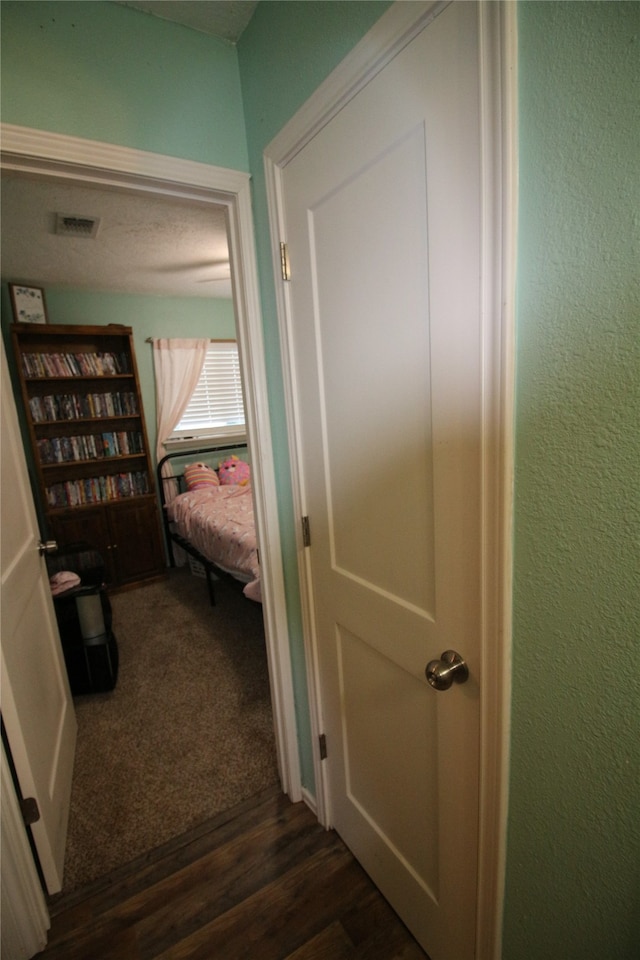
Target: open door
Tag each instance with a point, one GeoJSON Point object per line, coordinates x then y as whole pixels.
{"type": "Point", "coordinates": [37, 708]}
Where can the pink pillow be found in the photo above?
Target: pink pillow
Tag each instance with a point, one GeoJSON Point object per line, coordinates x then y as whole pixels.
{"type": "Point", "coordinates": [199, 475]}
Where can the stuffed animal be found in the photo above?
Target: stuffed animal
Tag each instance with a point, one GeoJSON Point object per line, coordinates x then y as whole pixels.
{"type": "Point", "coordinates": [235, 471]}
{"type": "Point", "coordinates": [199, 475]}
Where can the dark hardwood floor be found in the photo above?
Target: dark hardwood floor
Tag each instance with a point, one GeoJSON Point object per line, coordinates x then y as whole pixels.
{"type": "Point", "coordinates": [264, 881]}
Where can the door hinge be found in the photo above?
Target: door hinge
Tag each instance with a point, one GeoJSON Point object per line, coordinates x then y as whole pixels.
{"type": "Point", "coordinates": [306, 532]}
{"type": "Point", "coordinates": [284, 261]}
{"type": "Point", "coordinates": [29, 810]}
{"type": "Point", "coordinates": [323, 746]}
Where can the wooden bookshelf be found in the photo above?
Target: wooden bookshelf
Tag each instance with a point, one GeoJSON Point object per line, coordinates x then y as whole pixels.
{"type": "Point", "coordinates": [83, 408]}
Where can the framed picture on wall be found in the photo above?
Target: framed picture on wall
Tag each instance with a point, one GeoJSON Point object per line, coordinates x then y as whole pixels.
{"type": "Point", "coordinates": [28, 303]}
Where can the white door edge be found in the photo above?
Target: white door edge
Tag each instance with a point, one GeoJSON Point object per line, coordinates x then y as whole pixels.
{"type": "Point", "coordinates": [72, 158]}
{"type": "Point", "coordinates": [25, 918]}
{"type": "Point", "coordinates": [498, 58]}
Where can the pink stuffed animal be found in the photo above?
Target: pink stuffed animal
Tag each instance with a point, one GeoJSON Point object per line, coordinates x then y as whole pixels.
{"type": "Point", "coordinates": [234, 470]}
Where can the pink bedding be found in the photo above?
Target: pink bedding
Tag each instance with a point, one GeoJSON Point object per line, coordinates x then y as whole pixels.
{"type": "Point", "coordinates": [219, 522]}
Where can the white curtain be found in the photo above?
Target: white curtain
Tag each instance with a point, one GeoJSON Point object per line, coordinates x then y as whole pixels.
{"type": "Point", "coordinates": [178, 365]}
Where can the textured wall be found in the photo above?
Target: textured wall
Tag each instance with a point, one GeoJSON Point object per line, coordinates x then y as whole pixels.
{"type": "Point", "coordinates": [106, 72]}
{"type": "Point", "coordinates": [574, 824]}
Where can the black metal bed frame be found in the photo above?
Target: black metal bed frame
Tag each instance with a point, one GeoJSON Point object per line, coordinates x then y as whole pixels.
{"type": "Point", "coordinates": [171, 537]}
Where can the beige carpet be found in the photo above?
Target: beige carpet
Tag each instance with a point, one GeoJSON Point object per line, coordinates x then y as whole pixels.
{"type": "Point", "coordinates": [186, 734]}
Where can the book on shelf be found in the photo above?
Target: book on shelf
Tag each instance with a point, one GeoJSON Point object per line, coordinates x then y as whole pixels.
{"type": "Point", "coordinates": [108, 487]}
{"type": "Point", "coordinates": [99, 364]}
{"type": "Point", "coordinates": [90, 446]}
{"type": "Point", "coordinates": [81, 406]}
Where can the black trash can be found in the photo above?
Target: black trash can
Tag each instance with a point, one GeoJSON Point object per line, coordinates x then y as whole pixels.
{"type": "Point", "coordinates": [88, 643]}
{"type": "Point", "coordinates": [84, 620]}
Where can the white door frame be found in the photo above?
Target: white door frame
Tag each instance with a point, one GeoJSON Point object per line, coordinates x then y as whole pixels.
{"type": "Point", "coordinates": [395, 29]}
{"type": "Point", "coordinates": [31, 151]}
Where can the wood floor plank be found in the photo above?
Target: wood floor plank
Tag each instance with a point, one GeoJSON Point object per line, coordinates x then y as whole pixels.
{"type": "Point", "coordinates": [160, 862]}
{"type": "Point", "coordinates": [389, 942]}
{"type": "Point", "coordinates": [370, 912]}
{"type": "Point", "coordinates": [409, 951]}
{"type": "Point", "coordinates": [281, 917]}
{"type": "Point", "coordinates": [330, 944]}
{"type": "Point", "coordinates": [184, 900]}
{"type": "Point", "coordinates": [374, 915]}
{"type": "Point", "coordinates": [228, 878]}
{"type": "Point", "coordinates": [369, 931]}
{"type": "Point", "coordinates": [107, 945]}
{"type": "Point", "coordinates": [145, 871]}
{"type": "Point", "coordinates": [266, 882]}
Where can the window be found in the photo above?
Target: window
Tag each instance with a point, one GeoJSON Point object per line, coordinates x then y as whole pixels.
{"type": "Point", "coordinates": [216, 408]}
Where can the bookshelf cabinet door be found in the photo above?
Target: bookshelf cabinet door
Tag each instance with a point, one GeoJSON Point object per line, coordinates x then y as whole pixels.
{"type": "Point", "coordinates": [136, 547]}
{"type": "Point", "coordinates": [86, 526]}
{"type": "Point", "coordinates": [126, 534]}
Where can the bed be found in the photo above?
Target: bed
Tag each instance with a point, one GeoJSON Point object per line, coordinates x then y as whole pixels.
{"type": "Point", "coordinates": [213, 522]}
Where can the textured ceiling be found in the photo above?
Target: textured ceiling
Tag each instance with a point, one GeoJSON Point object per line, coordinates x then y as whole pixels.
{"type": "Point", "coordinates": [156, 246]}
{"type": "Point", "coordinates": [225, 20]}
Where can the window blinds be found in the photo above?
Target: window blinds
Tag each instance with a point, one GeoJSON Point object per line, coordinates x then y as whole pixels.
{"type": "Point", "coordinates": [216, 403]}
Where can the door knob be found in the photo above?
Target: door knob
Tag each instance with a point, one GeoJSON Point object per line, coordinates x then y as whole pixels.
{"type": "Point", "coordinates": [449, 669]}
{"type": "Point", "coordinates": [47, 546]}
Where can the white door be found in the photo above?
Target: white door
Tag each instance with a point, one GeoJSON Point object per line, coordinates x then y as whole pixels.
{"type": "Point", "coordinates": [382, 217]}
{"type": "Point", "coordinates": [37, 708]}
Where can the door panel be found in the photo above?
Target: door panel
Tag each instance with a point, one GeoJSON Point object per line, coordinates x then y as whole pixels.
{"type": "Point", "coordinates": [364, 400]}
{"type": "Point", "coordinates": [36, 702]}
{"type": "Point", "coordinates": [375, 725]}
{"type": "Point", "coordinates": [383, 222]}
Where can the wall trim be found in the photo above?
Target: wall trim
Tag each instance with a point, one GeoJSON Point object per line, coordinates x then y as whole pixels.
{"type": "Point", "coordinates": [30, 148]}
{"type": "Point", "coordinates": [54, 155]}
{"type": "Point", "coordinates": [397, 27]}
{"type": "Point", "coordinates": [498, 92]}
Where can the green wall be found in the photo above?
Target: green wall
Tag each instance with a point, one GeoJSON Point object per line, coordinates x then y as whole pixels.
{"type": "Point", "coordinates": [574, 823]}
{"type": "Point", "coordinates": [110, 73]}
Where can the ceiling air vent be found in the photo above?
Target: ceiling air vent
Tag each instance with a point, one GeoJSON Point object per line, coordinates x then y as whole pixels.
{"type": "Point", "coordinates": [76, 226]}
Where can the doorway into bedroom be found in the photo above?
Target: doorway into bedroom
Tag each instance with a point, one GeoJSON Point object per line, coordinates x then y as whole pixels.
{"type": "Point", "coordinates": [186, 734]}
{"type": "Point", "coordinates": [188, 730]}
